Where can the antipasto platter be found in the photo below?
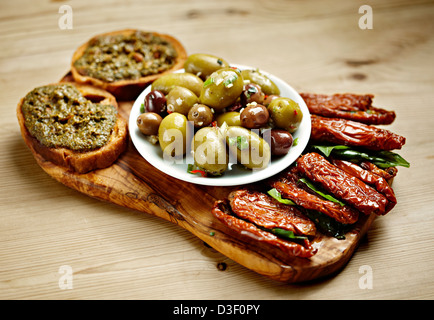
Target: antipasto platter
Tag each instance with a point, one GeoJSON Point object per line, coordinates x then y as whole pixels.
{"type": "Point", "coordinates": [302, 221]}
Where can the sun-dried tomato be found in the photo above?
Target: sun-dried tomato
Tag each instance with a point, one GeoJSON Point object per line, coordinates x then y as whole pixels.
{"type": "Point", "coordinates": [352, 133]}
{"type": "Point", "coordinates": [379, 183]}
{"type": "Point", "coordinates": [263, 210]}
{"type": "Point", "coordinates": [288, 189]}
{"type": "Point", "coordinates": [348, 106]}
{"type": "Point", "coordinates": [388, 174]}
{"type": "Point", "coordinates": [247, 229]}
{"type": "Point", "coordinates": [344, 186]}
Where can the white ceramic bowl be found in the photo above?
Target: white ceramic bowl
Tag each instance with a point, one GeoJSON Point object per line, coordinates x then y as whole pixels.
{"type": "Point", "coordinates": [236, 174]}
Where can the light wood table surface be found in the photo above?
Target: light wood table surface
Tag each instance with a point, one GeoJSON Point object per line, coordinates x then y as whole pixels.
{"type": "Point", "coordinates": [316, 46]}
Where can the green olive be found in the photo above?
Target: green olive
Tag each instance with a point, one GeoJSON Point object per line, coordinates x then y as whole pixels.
{"type": "Point", "coordinates": [180, 99]}
{"type": "Point", "coordinates": [203, 65]}
{"type": "Point", "coordinates": [187, 80]}
{"type": "Point", "coordinates": [250, 149]}
{"type": "Point", "coordinates": [222, 88]}
{"type": "Point", "coordinates": [210, 151]}
{"type": "Point", "coordinates": [231, 118]}
{"type": "Point", "coordinates": [268, 87]}
{"type": "Point", "coordinates": [285, 114]}
{"type": "Point", "coordinates": [173, 134]}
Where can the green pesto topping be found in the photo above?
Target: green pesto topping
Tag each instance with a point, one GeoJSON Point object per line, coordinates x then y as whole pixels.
{"type": "Point", "coordinates": [59, 116]}
{"type": "Point", "coordinates": [121, 57]}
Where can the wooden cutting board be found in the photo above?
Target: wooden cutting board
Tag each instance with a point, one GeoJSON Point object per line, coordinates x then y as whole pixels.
{"type": "Point", "coordinates": [133, 183]}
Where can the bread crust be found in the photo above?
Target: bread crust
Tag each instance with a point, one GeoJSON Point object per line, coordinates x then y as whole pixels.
{"type": "Point", "coordinates": [81, 162]}
{"type": "Point", "coordinates": [127, 89]}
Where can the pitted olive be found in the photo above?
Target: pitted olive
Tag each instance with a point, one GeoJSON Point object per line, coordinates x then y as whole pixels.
{"type": "Point", "coordinates": [201, 115]}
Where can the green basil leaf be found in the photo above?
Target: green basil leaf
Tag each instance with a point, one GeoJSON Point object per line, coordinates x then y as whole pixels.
{"type": "Point", "coordinates": [324, 195]}
{"type": "Point", "coordinates": [382, 159]}
{"type": "Point", "coordinates": [328, 225]}
{"type": "Point", "coordinates": [287, 234]}
{"type": "Point", "coordinates": [276, 195]}
{"type": "Point", "coordinates": [327, 150]}
{"type": "Point", "coordinates": [393, 159]}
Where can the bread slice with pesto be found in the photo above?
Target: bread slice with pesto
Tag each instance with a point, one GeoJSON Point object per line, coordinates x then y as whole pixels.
{"type": "Point", "coordinates": [74, 126]}
{"type": "Point", "coordinates": [124, 62]}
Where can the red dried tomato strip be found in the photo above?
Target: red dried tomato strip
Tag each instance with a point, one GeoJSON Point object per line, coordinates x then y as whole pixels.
{"type": "Point", "coordinates": [342, 185]}
{"type": "Point", "coordinates": [339, 101]}
{"type": "Point", "coordinates": [249, 230]}
{"type": "Point", "coordinates": [264, 211]}
{"type": "Point", "coordinates": [289, 190]}
{"type": "Point", "coordinates": [379, 183]}
{"type": "Point", "coordinates": [352, 133]}
{"type": "Point", "coordinates": [348, 106]}
{"type": "Point", "coordinates": [387, 174]}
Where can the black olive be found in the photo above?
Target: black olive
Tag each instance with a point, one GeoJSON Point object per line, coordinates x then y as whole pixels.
{"type": "Point", "coordinates": [155, 101]}
{"type": "Point", "coordinates": [281, 142]}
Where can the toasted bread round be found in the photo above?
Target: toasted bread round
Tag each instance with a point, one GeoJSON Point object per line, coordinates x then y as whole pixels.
{"type": "Point", "coordinates": [127, 89]}
{"type": "Point", "coordinates": [81, 161]}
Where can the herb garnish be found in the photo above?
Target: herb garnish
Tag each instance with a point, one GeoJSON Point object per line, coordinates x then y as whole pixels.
{"type": "Point", "coordinates": [208, 81]}
{"type": "Point", "coordinates": [324, 195]}
{"type": "Point", "coordinates": [277, 195]}
{"type": "Point", "coordinates": [241, 142]}
{"type": "Point", "coordinates": [382, 159]}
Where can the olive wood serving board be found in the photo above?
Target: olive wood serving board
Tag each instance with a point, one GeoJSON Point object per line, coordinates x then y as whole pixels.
{"type": "Point", "coordinates": [133, 183]}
